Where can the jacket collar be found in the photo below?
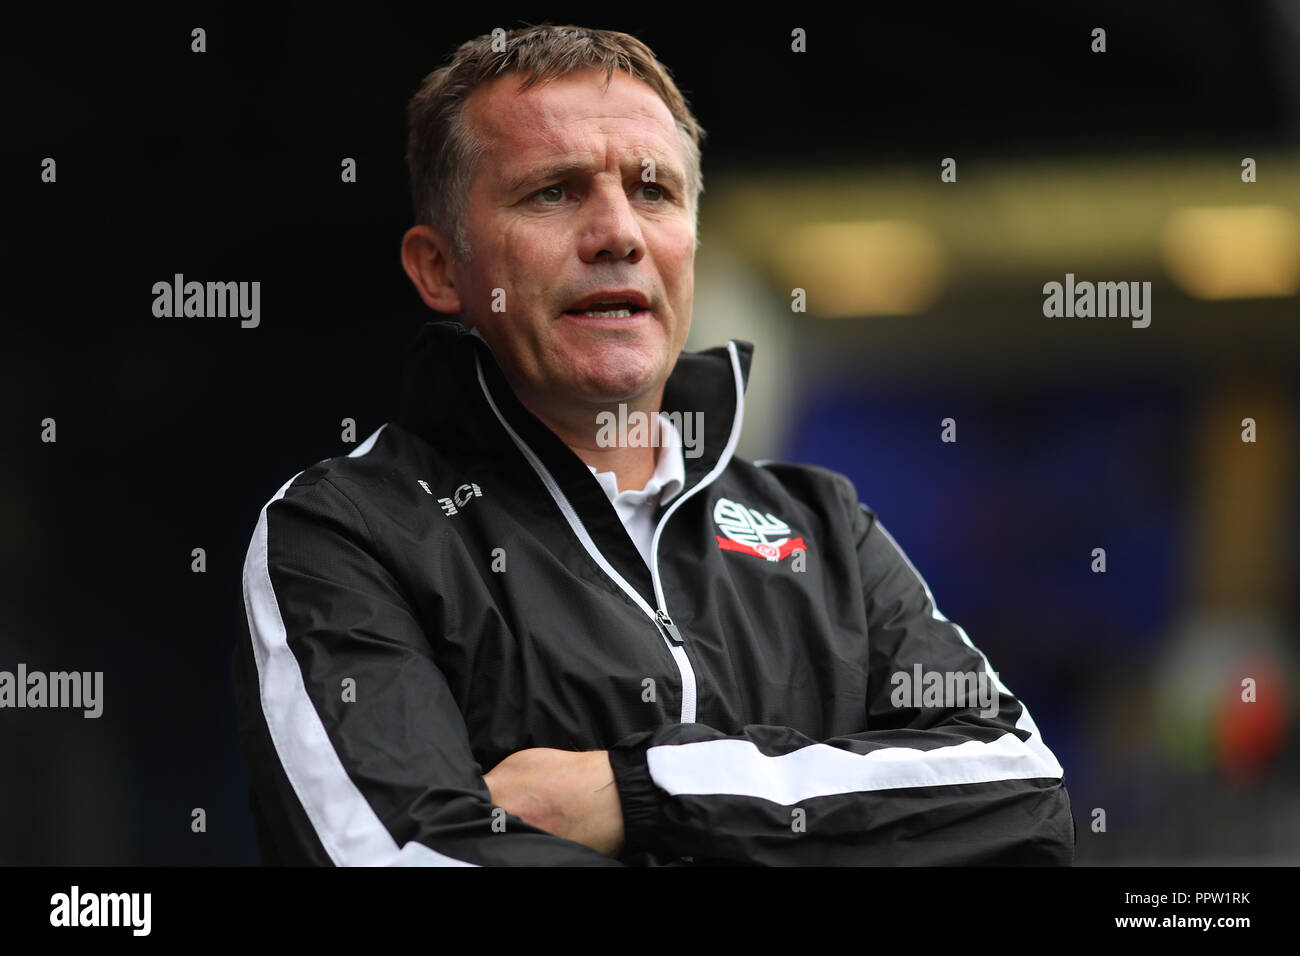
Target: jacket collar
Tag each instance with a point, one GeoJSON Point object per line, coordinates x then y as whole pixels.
{"type": "Point", "coordinates": [455, 394]}
{"type": "Point", "coordinates": [443, 399]}
{"type": "Point", "coordinates": [668, 478]}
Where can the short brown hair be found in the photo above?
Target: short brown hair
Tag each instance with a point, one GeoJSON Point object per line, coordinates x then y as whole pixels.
{"type": "Point", "coordinates": [442, 150]}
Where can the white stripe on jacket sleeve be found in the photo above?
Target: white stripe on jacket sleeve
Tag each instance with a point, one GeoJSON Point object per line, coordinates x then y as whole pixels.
{"type": "Point", "coordinates": [346, 824]}
{"type": "Point", "coordinates": [739, 768]}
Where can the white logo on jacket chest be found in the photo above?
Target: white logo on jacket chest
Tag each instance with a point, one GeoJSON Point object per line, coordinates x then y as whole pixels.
{"type": "Point", "coordinates": [459, 498]}
{"type": "Point", "coordinates": [749, 530]}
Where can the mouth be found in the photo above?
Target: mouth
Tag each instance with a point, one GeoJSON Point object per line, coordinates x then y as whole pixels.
{"type": "Point", "coordinates": [623, 304]}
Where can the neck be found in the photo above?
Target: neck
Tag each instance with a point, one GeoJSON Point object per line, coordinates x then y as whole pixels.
{"type": "Point", "coordinates": [585, 428]}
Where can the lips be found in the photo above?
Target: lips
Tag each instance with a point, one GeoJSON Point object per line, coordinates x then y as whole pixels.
{"type": "Point", "coordinates": [609, 300]}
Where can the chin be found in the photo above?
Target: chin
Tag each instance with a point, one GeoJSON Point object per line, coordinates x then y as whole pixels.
{"type": "Point", "coordinates": [607, 389]}
{"type": "Point", "coordinates": [617, 377]}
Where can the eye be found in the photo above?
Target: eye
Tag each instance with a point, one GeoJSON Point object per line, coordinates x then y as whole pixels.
{"type": "Point", "coordinates": [663, 193]}
{"type": "Point", "coordinates": [556, 188]}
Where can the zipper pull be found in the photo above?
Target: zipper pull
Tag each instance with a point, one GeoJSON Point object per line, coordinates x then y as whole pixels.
{"type": "Point", "coordinates": [670, 627]}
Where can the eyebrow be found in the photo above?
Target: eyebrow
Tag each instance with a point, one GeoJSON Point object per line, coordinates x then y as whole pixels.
{"type": "Point", "coordinates": [664, 172]}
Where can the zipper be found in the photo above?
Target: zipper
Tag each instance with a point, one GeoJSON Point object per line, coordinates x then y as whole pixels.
{"type": "Point", "coordinates": [723, 460]}
{"type": "Point", "coordinates": [684, 669]}
{"type": "Point", "coordinates": [662, 620]}
{"type": "Point", "coordinates": [669, 626]}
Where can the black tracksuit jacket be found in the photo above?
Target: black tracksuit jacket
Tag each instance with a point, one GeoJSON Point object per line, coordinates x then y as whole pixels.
{"type": "Point", "coordinates": [459, 587]}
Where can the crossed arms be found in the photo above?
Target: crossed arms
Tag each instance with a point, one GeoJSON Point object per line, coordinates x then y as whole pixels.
{"type": "Point", "coordinates": [367, 782]}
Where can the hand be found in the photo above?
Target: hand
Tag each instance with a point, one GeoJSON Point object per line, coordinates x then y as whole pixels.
{"type": "Point", "coordinates": [567, 793]}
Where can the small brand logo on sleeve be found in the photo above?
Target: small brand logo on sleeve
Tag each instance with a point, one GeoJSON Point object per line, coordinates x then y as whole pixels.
{"type": "Point", "coordinates": [459, 498]}
{"type": "Point", "coordinates": [751, 532]}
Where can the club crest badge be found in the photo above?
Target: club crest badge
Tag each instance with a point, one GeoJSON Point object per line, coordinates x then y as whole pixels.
{"type": "Point", "coordinates": [751, 532]}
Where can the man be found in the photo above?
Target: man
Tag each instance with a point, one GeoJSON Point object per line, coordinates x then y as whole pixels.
{"type": "Point", "coordinates": [659, 653]}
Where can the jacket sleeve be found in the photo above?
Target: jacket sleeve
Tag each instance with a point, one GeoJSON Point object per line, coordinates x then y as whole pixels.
{"type": "Point", "coordinates": [920, 785]}
{"type": "Point", "coordinates": [358, 752]}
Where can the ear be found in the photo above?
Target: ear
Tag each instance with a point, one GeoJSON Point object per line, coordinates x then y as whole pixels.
{"type": "Point", "coordinates": [426, 257]}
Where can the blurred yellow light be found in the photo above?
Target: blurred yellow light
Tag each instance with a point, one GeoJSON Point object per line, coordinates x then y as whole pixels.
{"type": "Point", "coordinates": [1233, 252]}
{"type": "Point", "coordinates": [881, 267]}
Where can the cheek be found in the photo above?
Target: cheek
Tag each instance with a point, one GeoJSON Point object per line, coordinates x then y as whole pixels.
{"type": "Point", "coordinates": [682, 264]}
{"type": "Point", "coordinates": [681, 247]}
{"type": "Point", "coordinates": [524, 258]}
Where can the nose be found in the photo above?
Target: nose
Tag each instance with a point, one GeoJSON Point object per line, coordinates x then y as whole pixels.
{"type": "Point", "coordinates": [610, 230]}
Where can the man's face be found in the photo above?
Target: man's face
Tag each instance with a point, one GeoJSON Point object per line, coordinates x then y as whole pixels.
{"type": "Point", "coordinates": [558, 213]}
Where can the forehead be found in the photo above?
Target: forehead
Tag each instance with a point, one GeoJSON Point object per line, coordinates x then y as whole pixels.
{"type": "Point", "coordinates": [569, 115]}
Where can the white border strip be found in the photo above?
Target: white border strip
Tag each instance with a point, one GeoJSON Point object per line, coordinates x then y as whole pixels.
{"type": "Point", "coordinates": [739, 768]}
